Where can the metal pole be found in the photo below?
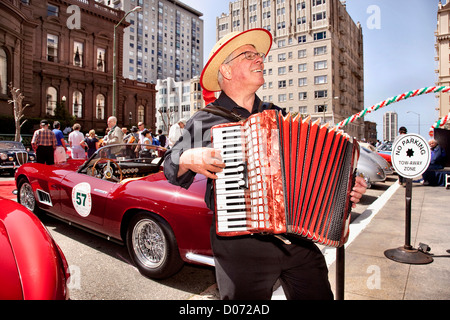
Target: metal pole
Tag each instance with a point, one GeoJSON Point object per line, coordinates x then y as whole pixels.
{"type": "Point", "coordinates": [340, 273]}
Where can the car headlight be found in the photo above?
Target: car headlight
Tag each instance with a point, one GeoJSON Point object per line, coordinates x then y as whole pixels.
{"type": "Point", "coordinates": [31, 158]}
{"type": "Point", "coordinates": [3, 156]}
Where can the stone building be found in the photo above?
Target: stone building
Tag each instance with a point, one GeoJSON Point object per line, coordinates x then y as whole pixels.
{"type": "Point", "coordinates": [60, 52]}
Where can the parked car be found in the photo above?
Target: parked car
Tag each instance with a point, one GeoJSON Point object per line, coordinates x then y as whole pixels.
{"type": "Point", "coordinates": [125, 198]}
{"type": "Point", "coordinates": [13, 154]}
{"type": "Point", "coordinates": [385, 151]}
{"type": "Point", "coordinates": [370, 170]}
{"type": "Point", "coordinates": [387, 168]}
{"type": "Point", "coordinates": [32, 266]}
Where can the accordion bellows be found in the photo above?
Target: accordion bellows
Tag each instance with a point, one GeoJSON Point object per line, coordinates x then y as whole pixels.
{"type": "Point", "coordinates": [284, 175]}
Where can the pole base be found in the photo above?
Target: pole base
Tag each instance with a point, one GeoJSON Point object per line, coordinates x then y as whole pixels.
{"type": "Point", "coordinates": [409, 256]}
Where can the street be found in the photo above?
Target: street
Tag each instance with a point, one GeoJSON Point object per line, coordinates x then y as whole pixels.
{"type": "Point", "coordinates": [101, 270]}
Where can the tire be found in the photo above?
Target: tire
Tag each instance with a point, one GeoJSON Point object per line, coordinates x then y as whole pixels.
{"type": "Point", "coordinates": [152, 246]}
{"type": "Point", "coordinates": [25, 196]}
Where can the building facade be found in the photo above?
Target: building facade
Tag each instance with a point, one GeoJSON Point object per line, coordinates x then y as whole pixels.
{"type": "Point", "coordinates": [176, 100]}
{"type": "Point", "coordinates": [443, 56]}
{"type": "Point", "coordinates": [390, 126]}
{"type": "Point", "coordinates": [164, 40]}
{"type": "Point", "coordinates": [315, 66]}
{"type": "Point", "coordinates": [60, 52]}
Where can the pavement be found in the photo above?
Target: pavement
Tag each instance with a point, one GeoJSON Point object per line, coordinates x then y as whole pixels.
{"type": "Point", "coordinates": [369, 274]}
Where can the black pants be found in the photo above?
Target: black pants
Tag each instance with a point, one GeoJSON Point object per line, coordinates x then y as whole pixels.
{"type": "Point", "coordinates": [248, 267]}
{"type": "Point", "coordinates": [45, 155]}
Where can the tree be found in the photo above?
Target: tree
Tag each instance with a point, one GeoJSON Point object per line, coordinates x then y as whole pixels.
{"type": "Point", "coordinates": [17, 100]}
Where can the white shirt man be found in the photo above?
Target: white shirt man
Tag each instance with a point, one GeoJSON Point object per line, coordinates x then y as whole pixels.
{"type": "Point", "coordinates": [176, 131]}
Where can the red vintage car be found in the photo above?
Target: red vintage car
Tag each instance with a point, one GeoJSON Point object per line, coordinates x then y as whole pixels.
{"type": "Point", "coordinates": [123, 195]}
{"type": "Point", "coordinates": [32, 266]}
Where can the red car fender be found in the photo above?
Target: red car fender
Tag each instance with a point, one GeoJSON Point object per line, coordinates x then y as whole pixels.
{"type": "Point", "coordinates": [40, 263]}
{"type": "Point", "coordinates": [11, 288]}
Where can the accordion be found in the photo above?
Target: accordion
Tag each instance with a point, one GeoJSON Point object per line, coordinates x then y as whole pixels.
{"type": "Point", "coordinates": [284, 175]}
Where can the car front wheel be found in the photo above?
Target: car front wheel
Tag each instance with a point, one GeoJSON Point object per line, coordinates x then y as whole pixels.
{"type": "Point", "coordinates": [25, 196]}
{"type": "Point", "coordinates": [152, 246]}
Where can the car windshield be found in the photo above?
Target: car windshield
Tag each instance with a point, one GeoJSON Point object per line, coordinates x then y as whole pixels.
{"type": "Point", "coordinates": [11, 145]}
{"type": "Point", "coordinates": [387, 146]}
{"type": "Point", "coordinates": [122, 161]}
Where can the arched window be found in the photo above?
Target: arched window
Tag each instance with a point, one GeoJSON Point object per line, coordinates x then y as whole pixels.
{"type": "Point", "coordinates": [3, 72]}
{"type": "Point", "coordinates": [141, 114]}
{"type": "Point", "coordinates": [52, 97]}
{"type": "Point", "coordinates": [100, 107]}
{"type": "Point", "coordinates": [77, 104]}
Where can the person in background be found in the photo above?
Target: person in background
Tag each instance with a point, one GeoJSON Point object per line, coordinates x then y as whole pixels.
{"type": "Point", "coordinates": [60, 151]}
{"type": "Point", "coordinates": [176, 131]}
{"type": "Point", "coordinates": [75, 138]}
{"type": "Point", "coordinates": [162, 139]}
{"type": "Point", "coordinates": [437, 162]}
{"type": "Point", "coordinates": [44, 144]}
{"type": "Point", "coordinates": [91, 142]}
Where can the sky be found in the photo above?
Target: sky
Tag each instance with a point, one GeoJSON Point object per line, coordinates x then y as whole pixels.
{"type": "Point", "coordinates": [399, 54]}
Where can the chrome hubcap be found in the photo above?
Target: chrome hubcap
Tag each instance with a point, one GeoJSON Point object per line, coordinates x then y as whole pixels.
{"type": "Point", "coordinates": [149, 243]}
{"type": "Point", "coordinates": [26, 196]}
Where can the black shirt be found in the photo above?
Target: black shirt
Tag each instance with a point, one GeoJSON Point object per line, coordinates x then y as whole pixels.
{"type": "Point", "coordinates": [197, 134]}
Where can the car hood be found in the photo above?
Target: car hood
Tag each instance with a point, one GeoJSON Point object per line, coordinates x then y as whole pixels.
{"type": "Point", "coordinates": [11, 287]}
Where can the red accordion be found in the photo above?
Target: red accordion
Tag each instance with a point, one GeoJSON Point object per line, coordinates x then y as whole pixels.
{"type": "Point", "coordinates": [284, 175]}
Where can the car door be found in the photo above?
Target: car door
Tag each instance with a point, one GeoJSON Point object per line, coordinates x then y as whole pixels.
{"type": "Point", "coordinates": [83, 198]}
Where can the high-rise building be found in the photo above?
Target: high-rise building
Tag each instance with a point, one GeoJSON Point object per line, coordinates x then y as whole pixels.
{"type": "Point", "coordinates": [164, 39]}
{"type": "Point", "coordinates": [390, 126]}
{"type": "Point", "coordinates": [443, 53]}
{"type": "Point", "coordinates": [315, 66]}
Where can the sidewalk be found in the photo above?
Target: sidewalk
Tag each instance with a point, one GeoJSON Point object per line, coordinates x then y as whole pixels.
{"type": "Point", "coordinates": [371, 276]}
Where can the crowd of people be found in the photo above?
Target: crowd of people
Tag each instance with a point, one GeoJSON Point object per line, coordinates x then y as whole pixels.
{"type": "Point", "coordinates": [51, 147]}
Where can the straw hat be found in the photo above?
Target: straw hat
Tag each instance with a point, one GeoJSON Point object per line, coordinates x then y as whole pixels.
{"type": "Point", "coordinates": [261, 39]}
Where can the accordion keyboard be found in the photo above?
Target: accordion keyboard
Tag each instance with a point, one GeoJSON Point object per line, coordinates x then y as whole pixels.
{"type": "Point", "coordinates": [232, 181]}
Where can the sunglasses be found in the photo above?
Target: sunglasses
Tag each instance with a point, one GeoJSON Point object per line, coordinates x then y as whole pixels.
{"type": "Point", "coordinates": [249, 55]}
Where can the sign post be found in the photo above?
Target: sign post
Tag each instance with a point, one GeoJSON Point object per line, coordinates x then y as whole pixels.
{"type": "Point", "coordinates": [411, 156]}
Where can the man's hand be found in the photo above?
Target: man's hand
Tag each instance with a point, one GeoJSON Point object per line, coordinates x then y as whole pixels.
{"type": "Point", "coordinates": [358, 190]}
{"type": "Point", "coordinates": [206, 161]}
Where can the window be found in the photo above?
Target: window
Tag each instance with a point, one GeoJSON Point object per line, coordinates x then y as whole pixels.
{"type": "Point", "coordinates": [302, 67]}
{"type": "Point", "coordinates": [281, 84]}
{"type": "Point", "coordinates": [52, 10]}
{"type": "Point", "coordinates": [77, 104]}
{"type": "Point", "coordinates": [319, 65]}
{"type": "Point", "coordinates": [302, 109]}
{"type": "Point", "coordinates": [100, 107]}
{"type": "Point", "coordinates": [101, 60]}
{"type": "Point", "coordinates": [301, 39]}
{"type": "Point", "coordinates": [320, 108]}
{"type": "Point", "coordinates": [319, 16]}
{"type": "Point", "coordinates": [320, 50]}
{"type": "Point", "coordinates": [302, 82]}
{"type": "Point", "coordinates": [281, 70]}
{"type": "Point", "coordinates": [320, 79]}
{"type": "Point", "coordinates": [52, 98]}
{"type": "Point", "coordinates": [302, 53]}
{"type": "Point", "coordinates": [77, 54]}
{"type": "Point", "coordinates": [141, 114]}
{"type": "Point", "coordinates": [302, 96]}
{"type": "Point", "coordinates": [281, 97]}
{"type": "Point", "coordinates": [321, 94]}
{"type": "Point", "coordinates": [282, 57]}
{"type": "Point", "coordinates": [52, 47]}
{"type": "Point", "coordinates": [3, 72]}
{"type": "Point", "coordinates": [320, 35]}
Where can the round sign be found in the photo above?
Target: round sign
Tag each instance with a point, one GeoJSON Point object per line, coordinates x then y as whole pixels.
{"type": "Point", "coordinates": [411, 155]}
{"type": "Point", "coordinates": [81, 199]}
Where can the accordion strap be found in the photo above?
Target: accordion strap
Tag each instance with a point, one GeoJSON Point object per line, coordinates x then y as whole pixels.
{"type": "Point", "coordinates": [230, 115]}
